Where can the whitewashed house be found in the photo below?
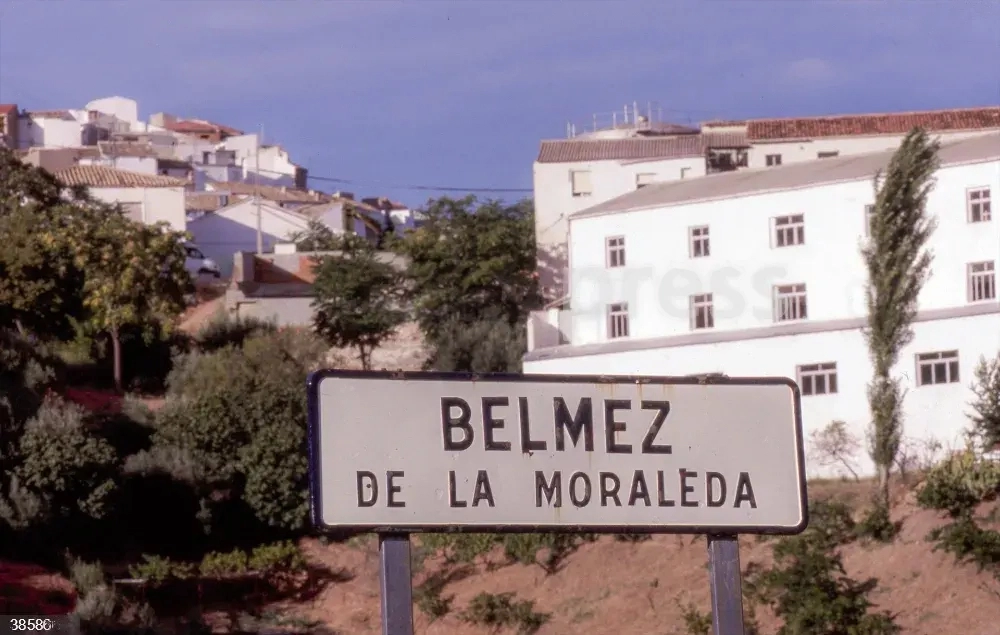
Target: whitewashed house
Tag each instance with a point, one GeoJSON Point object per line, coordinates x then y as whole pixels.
{"type": "Point", "coordinates": [147, 198]}
{"type": "Point", "coordinates": [758, 272]}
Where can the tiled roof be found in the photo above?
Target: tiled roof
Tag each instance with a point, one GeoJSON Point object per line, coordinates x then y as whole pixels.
{"type": "Point", "coordinates": [6, 109]}
{"type": "Point", "coordinates": [572, 150]}
{"type": "Point", "coordinates": [725, 139]}
{"type": "Point", "coordinates": [874, 124]}
{"type": "Point", "coordinates": [100, 176]}
{"type": "Point", "coordinates": [724, 123]}
{"type": "Point", "coordinates": [199, 126]}
{"type": "Point", "coordinates": [49, 114]}
{"type": "Point", "coordinates": [270, 192]}
{"type": "Point", "coordinates": [203, 201]}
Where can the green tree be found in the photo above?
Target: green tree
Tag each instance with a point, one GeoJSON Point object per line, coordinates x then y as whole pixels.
{"type": "Point", "coordinates": [985, 414]}
{"type": "Point", "coordinates": [471, 260]}
{"type": "Point", "coordinates": [135, 277]}
{"type": "Point", "coordinates": [317, 236]}
{"type": "Point", "coordinates": [897, 265]}
{"type": "Point", "coordinates": [483, 346]}
{"type": "Point", "coordinates": [358, 298]}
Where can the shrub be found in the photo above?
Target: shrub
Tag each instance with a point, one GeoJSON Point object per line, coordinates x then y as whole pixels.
{"type": "Point", "coordinates": [484, 346]}
{"type": "Point", "coordinates": [227, 330]}
{"type": "Point", "coordinates": [157, 569]}
{"type": "Point", "coordinates": [985, 414]}
{"type": "Point", "coordinates": [499, 610]}
{"type": "Point", "coordinates": [696, 622]}
{"type": "Point", "coordinates": [218, 565]}
{"type": "Point", "coordinates": [524, 548]}
{"type": "Point", "coordinates": [968, 542]}
{"type": "Point", "coordinates": [280, 557]}
{"type": "Point", "coordinates": [877, 525]}
{"type": "Point", "coordinates": [86, 576]}
{"type": "Point", "coordinates": [427, 596]}
{"type": "Point", "coordinates": [959, 483]}
{"type": "Point", "coordinates": [463, 548]}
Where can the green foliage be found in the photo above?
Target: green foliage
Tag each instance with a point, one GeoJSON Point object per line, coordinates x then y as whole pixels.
{"type": "Point", "coordinates": [489, 345]}
{"type": "Point", "coordinates": [968, 542]}
{"type": "Point", "coordinates": [461, 548]}
{"type": "Point", "coordinates": [157, 569]}
{"type": "Point", "coordinates": [633, 538]}
{"type": "Point", "coordinates": [696, 622]}
{"type": "Point", "coordinates": [86, 576]}
{"type": "Point", "coordinates": [316, 237]}
{"type": "Point", "coordinates": [358, 298]}
{"type": "Point", "coordinates": [498, 610]}
{"type": "Point", "coordinates": [877, 525]}
{"type": "Point", "coordinates": [808, 588]}
{"type": "Point", "coordinates": [985, 415]}
{"type": "Point", "coordinates": [525, 548]}
{"type": "Point", "coordinates": [226, 330]}
{"type": "Point", "coordinates": [898, 265]}
{"type": "Point", "coordinates": [277, 558]}
{"type": "Point", "coordinates": [959, 483]}
{"type": "Point", "coordinates": [219, 565]}
{"type": "Point", "coordinates": [469, 260]}
{"type": "Point", "coordinates": [429, 599]}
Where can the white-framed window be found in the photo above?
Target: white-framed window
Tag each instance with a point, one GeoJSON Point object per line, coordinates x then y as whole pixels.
{"type": "Point", "coordinates": [979, 204]}
{"type": "Point", "coordinates": [790, 302]}
{"type": "Point", "coordinates": [618, 320]}
{"type": "Point", "coordinates": [982, 281]}
{"type": "Point", "coordinates": [789, 230]}
{"type": "Point", "coordinates": [937, 368]}
{"type": "Point", "coordinates": [699, 242]}
{"type": "Point", "coordinates": [702, 311]}
{"type": "Point", "coordinates": [869, 219]}
{"type": "Point", "coordinates": [827, 155]}
{"type": "Point", "coordinates": [643, 179]}
{"type": "Point", "coordinates": [615, 248]}
{"type": "Point", "coordinates": [817, 379]}
{"type": "Point", "coordinates": [772, 160]}
{"type": "Point", "coordinates": [580, 180]}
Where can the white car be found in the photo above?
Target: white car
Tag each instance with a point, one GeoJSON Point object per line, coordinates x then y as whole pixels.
{"type": "Point", "coordinates": [197, 264]}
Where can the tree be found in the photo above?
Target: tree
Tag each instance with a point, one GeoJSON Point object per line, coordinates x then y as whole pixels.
{"type": "Point", "coordinates": [484, 346]}
{"type": "Point", "coordinates": [317, 236]}
{"type": "Point", "coordinates": [897, 265]}
{"type": "Point", "coordinates": [358, 298]}
{"type": "Point", "coordinates": [135, 277]}
{"type": "Point", "coordinates": [470, 260]}
{"type": "Point", "coordinates": [985, 415]}
{"type": "Point", "coordinates": [835, 445]}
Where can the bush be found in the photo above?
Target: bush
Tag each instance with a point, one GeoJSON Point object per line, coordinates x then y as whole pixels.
{"type": "Point", "coordinates": [227, 330]}
{"type": "Point", "coordinates": [219, 565]}
{"type": "Point", "coordinates": [277, 558]}
{"type": "Point", "coordinates": [485, 346]}
{"type": "Point", "coordinates": [959, 483]}
{"type": "Point", "coordinates": [524, 548]}
{"type": "Point", "coordinates": [27, 373]}
{"type": "Point", "coordinates": [500, 610]}
{"type": "Point", "coordinates": [429, 599]}
{"type": "Point", "coordinates": [968, 542]}
{"type": "Point", "coordinates": [877, 525]}
{"type": "Point", "coordinates": [86, 576]}
{"type": "Point", "coordinates": [156, 569]}
{"type": "Point", "coordinates": [148, 353]}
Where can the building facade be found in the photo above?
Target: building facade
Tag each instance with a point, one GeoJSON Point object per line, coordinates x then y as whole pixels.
{"type": "Point", "coordinates": [760, 273]}
{"type": "Point", "coordinates": [146, 198]}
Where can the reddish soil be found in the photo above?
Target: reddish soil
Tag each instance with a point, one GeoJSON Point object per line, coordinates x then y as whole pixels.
{"type": "Point", "coordinates": [29, 589]}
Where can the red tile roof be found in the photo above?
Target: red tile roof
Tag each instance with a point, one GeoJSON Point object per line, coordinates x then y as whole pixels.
{"type": "Point", "coordinates": [572, 150]}
{"type": "Point", "coordinates": [6, 109]}
{"type": "Point", "coordinates": [873, 124]}
{"type": "Point", "coordinates": [270, 192]}
{"type": "Point", "coordinates": [199, 126]}
{"type": "Point", "coordinates": [101, 176]}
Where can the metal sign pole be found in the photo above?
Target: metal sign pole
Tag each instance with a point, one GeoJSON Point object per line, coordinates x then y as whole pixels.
{"type": "Point", "coordinates": [727, 585]}
{"type": "Point", "coordinates": [397, 589]}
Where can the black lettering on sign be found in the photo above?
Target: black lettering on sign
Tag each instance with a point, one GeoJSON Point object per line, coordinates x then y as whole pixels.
{"type": "Point", "coordinates": [491, 423]}
{"type": "Point", "coordinates": [687, 489]}
{"type": "Point", "coordinates": [552, 490]}
{"type": "Point", "coordinates": [581, 422]}
{"type": "Point", "coordinates": [609, 489]}
{"type": "Point", "coordinates": [483, 490]}
{"type": "Point", "coordinates": [612, 427]}
{"type": "Point", "coordinates": [452, 495]}
{"type": "Point", "coordinates": [744, 491]}
{"type": "Point", "coordinates": [712, 500]}
{"type": "Point", "coordinates": [661, 491]}
{"type": "Point", "coordinates": [639, 489]}
{"type": "Point", "coordinates": [449, 422]}
{"type": "Point", "coordinates": [371, 484]}
{"type": "Point", "coordinates": [582, 500]}
{"type": "Point", "coordinates": [527, 445]}
{"type": "Point", "coordinates": [662, 410]}
{"type": "Point", "coordinates": [393, 489]}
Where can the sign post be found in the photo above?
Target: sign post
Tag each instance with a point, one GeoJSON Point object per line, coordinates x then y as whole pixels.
{"type": "Point", "coordinates": [401, 453]}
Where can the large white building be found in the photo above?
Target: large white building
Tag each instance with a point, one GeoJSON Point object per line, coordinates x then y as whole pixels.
{"type": "Point", "coordinates": [759, 272]}
{"type": "Point", "coordinates": [631, 151]}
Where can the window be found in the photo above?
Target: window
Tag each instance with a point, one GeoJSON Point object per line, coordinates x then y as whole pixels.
{"type": "Point", "coordinates": [789, 231]}
{"type": "Point", "coordinates": [827, 155]}
{"type": "Point", "coordinates": [698, 238]}
{"type": "Point", "coordinates": [937, 368]}
{"type": "Point", "coordinates": [643, 179]}
{"type": "Point", "coordinates": [869, 219]}
{"type": "Point", "coordinates": [773, 160]}
{"type": "Point", "coordinates": [980, 205]}
{"type": "Point", "coordinates": [982, 281]}
{"type": "Point", "coordinates": [581, 182]}
{"type": "Point", "coordinates": [790, 302]}
{"type": "Point", "coordinates": [818, 379]}
{"type": "Point", "coordinates": [684, 172]}
{"type": "Point", "coordinates": [205, 156]}
{"type": "Point", "coordinates": [702, 313]}
{"type": "Point", "coordinates": [615, 247]}
{"type": "Point", "coordinates": [617, 320]}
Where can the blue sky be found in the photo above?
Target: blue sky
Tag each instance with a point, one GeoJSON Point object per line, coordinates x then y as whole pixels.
{"type": "Point", "coordinates": [386, 93]}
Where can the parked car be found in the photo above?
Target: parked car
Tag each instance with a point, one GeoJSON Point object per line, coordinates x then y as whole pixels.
{"type": "Point", "coordinates": [197, 264]}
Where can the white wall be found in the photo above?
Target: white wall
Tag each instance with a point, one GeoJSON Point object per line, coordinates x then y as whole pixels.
{"type": "Point", "coordinates": [554, 200]}
{"type": "Point", "coordinates": [120, 107]}
{"type": "Point", "coordinates": [157, 203]}
{"type": "Point", "coordinates": [49, 133]}
{"type": "Point", "coordinates": [931, 412]}
{"type": "Point", "coordinates": [807, 150]}
{"type": "Point", "coordinates": [660, 276]}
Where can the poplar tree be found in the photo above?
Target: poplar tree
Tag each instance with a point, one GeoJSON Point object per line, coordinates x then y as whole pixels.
{"type": "Point", "coordinates": [898, 265]}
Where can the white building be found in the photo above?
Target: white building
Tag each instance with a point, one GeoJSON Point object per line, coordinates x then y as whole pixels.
{"type": "Point", "coordinates": [146, 198]}
{"type": "Point", "coordinates": [758, 272]}
{"type": "Point", "coordinates": [606, 162]}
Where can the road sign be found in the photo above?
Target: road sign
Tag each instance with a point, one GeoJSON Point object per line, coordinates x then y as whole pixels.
{"type": "Point", "coordinates": [407, 452]}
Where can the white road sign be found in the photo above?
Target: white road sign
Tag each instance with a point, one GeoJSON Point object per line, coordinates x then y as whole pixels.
{"type": "Point", "coordinates": [406, 452]}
